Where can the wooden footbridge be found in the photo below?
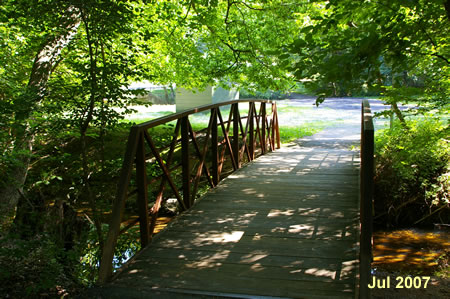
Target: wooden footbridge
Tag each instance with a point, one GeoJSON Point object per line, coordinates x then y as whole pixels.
{"type": "Point", "coordinates": [293, 223]}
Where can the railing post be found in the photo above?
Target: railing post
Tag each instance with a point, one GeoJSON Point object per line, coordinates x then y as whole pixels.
{"type": "Point", "coordinates": [106, 265]}
{"type": "Point", "coordinates": [214, 148]}
{"type": "Point", "coordinates": [277, 127]}
{"type": "Point", "coordinates": [366, 189]}
{"type": "Point", "coordinates": [251, 142]}
{"type": "Point", "coordinates": [263, 127]}
{"type": "Point", "coordinates": [185, 165]}
{"type": "Point", "coordinates": [142, 198]}
{"type": "Point", "coordinates": [236, 116]}
{"type": "Point", "coordinates": [273, 126]}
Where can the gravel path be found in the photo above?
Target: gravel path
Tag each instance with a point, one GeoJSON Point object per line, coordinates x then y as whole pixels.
{"type": "Point", "coordinates": [344, 110]}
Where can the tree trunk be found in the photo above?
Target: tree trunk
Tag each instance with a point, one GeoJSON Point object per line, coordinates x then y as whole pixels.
{"type": "Point", "coordinates": [172, 92]}
{"type": "Point", "coordinates": [447, 8]}
{"type": "Point", "coordinates": [399, 114]}
{"type": "Point", "coordinates": [44, 63]}
{"type": "Point", "coordinates": [166, 96]}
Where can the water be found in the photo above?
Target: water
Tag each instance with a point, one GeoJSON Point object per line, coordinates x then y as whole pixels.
{"type": "Point", "coordinates": [410, 251]}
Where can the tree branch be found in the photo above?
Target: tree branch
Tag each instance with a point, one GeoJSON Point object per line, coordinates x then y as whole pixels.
{"type": "Point", "coordinates": [447, 8]}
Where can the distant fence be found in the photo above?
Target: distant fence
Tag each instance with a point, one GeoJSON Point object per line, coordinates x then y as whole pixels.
{"type": "Point", "coordinates": [366, 196]}
{"type": "Point", "coordinates": [180, 162]}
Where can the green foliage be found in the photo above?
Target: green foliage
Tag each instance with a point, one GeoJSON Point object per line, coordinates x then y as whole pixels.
{"type": "Point", "coordinates": [412, 172]}
{"type": "Point", "coordinates": [33, 268]}
{"type": "Point", "coordinates": [75, 123]}
{"type": "Point", "coordinates": [348, 47]}
{"type": "Point", "coordinates": [89, 253]}
{"type": "Point", "coordinates": [269, 94]}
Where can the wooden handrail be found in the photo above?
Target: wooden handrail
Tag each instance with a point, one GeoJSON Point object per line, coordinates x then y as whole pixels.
{"type": "Point", "coordinates": [366, 197]}
{"type": "Point", "coordinates": [241, 148]}
{"type": "Point", "coordinates": [179, 115]}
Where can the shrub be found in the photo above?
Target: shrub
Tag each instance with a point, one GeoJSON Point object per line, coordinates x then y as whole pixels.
{"type": "Point", "coordinates": [412, 173]}
{"type": "Point", "coordinates": [268, 94]}
{"type": "Point", "coordinates": [33, 268]}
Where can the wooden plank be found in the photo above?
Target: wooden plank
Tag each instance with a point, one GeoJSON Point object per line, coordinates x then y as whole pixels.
{"type": "Point", "coordinates": [264, 259]}
{"type": "Point", "coordinates": [296, 231]}
{"type": "Point", "coordinates": [319, 212]}
{"type": "Point", "coordinates": [200, 279]}
{"type": "Point", "coordinates": [296, 274]}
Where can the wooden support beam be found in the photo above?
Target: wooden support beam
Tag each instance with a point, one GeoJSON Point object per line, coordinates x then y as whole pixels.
{"type": "Point", "coordinates": [263, 118]}
{"type": "Point", "coordinates": [200, 154]}
{"type": "Point", "coordinates": [277, 128]}
{"type": "Point", "coordinates": [273, 125]}
{"type": "Point", "coordinates": [235, 108]}
{"type": "Point", "coordinates": [202, 157]}
{"type": "Point", "coordinates": [214, 148]}
{"type": "Point", "coordinates": [227, 141]}
{"type": "Point", "coordinates": [142, 198]}
{"type": "Point", "coordinates": [366, 189]}
{"type": "Point", "coordinates": [105, 270]}
{"type": "Point", "coordinates": [159, 198]}
{"type": "Point", "coordinates": [251, 122]}
{"type": "Point", "coordinates": [244, 134]}
{"type": "Point", "coordinates": [185, 157]}
{"type": "Point", "coordinates": [164, 168]}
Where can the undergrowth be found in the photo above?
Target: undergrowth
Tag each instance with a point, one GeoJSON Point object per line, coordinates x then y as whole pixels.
{"type": "Point", "coordinates": [412, 185]}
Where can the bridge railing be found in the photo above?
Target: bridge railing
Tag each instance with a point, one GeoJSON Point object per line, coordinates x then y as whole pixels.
{"type": "Point", "coordinates": [366, 196]}
{"type": "Point", "coordinates": [175, 168]}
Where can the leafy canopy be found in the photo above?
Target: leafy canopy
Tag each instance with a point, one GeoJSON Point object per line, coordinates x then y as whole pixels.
{"type": "Point", "coordinates": [351, 47]}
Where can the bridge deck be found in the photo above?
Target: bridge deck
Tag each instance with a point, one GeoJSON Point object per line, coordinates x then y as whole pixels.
{"type": "Point", "coordinates": [286, 225]}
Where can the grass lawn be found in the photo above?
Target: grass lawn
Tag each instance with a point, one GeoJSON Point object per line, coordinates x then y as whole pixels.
{"type": "Point", "coordinates": [295, 121]}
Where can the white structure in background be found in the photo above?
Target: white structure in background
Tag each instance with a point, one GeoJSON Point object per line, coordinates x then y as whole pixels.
{"type": "Point", "coordinates": [147, 85]}
{"type": "Point", "coordinates": [186, 99]}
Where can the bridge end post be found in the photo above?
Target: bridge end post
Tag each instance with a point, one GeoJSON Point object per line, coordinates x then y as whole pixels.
{"type": "Point", "coordinates": [106, 261]}
{"type": "Point", "coordinates": [366, 196]}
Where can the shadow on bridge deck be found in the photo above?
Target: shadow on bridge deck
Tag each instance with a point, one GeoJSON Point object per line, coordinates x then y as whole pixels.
{"type": "Point", "coordinates": [286, 225]}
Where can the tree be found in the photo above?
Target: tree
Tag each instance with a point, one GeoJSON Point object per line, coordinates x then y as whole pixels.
{"type": "Point", "coordinates": [65, 68]}
{"type": "Point", "coordinates": [21, 105]}
{"type": "Point", "coordinates": [399, 48]}
{"type": "Point", "coordinates": [188, 43]}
